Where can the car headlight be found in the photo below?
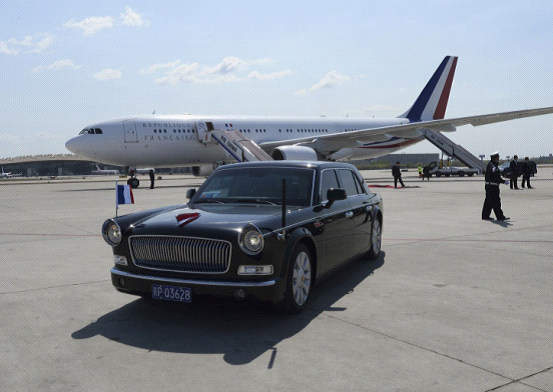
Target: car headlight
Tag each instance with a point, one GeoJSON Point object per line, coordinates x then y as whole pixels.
{"type": "Point", "coordinates": [251, 240]}
{"type": "Point", "coordinates": [111, 232]}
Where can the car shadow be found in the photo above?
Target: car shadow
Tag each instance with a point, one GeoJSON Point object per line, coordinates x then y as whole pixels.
{"type": "Point", "coordinates": [241, 331]}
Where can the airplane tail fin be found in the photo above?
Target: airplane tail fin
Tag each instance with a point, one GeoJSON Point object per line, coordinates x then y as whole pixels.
{"type": "Point", "coordinates": [432, 101]}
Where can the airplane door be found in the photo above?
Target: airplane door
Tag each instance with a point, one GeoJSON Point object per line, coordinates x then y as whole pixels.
{"type": "Point", "coordinates": [129, 127]}
{"type": "Point", "coordinates": [203, 131]}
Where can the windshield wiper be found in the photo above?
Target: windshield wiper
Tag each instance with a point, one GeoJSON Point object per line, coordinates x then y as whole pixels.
{"type": "Point", "coordinates": [209, 201]}
{"type": "Point", "coordinates": [258, 201]}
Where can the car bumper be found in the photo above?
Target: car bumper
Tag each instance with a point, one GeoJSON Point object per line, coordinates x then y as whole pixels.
{"type": "Point", "coordinates": [267, 290]}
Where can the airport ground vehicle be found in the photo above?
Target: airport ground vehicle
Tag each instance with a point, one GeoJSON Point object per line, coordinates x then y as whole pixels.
{"type": "Point", "coordinates": [266, 229]}
{"type": "Point", "coordinates": [447, 171]}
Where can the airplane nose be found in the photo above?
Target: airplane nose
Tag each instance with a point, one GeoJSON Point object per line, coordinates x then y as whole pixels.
{"type": "Point", "coordinates": [72, 145]}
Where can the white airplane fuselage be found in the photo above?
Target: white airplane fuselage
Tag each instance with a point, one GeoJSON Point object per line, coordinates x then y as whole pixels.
{"type": "Point", "coordinates": [172, 140]}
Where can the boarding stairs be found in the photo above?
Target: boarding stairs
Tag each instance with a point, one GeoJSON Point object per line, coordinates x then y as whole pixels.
{"type": "Point", "coordinates": [454, 150]}
{"type": "Point", "coordinates": [239, 146]}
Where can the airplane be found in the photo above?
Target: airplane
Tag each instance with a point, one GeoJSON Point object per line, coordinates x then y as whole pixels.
{"type": "Point", "coordinates": [104, 171]}
{"type": "Point", "coordinates": [5, 175]}
{"type": "Point", "coordinates": [186, 140]}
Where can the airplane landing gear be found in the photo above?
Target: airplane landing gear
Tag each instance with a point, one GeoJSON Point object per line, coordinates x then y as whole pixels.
{"type": "Point", "coordinates": [133, 181]}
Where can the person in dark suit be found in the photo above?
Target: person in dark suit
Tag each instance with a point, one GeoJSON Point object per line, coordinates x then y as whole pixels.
{"type": "Point", "coordinates": [426, 173]}
{"type": "Point", "coordinates": [527, 171]}
{"type": "Point", "coordinates": [152, 178]}
{"type": "Point", "coordinates": [492, 201]}
{"type": "Point", "coordinates": [514, 172]}
{"type": "Point", "coordinates": [396, 172]}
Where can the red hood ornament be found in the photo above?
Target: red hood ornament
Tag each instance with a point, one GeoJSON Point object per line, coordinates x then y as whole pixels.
{"type": "Point", "coordinates": [184, 219]}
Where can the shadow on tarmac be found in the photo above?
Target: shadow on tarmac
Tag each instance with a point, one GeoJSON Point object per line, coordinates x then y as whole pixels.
{"type": "Point", "coordinates": [241, 331]}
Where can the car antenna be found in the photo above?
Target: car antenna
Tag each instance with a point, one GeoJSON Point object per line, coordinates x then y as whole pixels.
{"type": "Point", "coordinates": [282, 235]}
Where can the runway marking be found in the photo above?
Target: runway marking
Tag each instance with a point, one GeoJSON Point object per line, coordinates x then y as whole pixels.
{"type": "Point", "coordinates": [475, 240]}
{"type": "Point", "coordinates": [50, 235]}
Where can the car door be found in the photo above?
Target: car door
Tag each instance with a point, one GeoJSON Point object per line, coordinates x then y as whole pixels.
{"type": "Point", "coordinates": [360, 206]}
{"type": "Point", "coordinates": [336, 224]}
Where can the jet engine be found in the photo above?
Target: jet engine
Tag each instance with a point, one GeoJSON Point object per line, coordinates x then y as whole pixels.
{"type": "Point", "coordinates": [202, 171]}
{"type": "Point", "coordinates": [294, 153]}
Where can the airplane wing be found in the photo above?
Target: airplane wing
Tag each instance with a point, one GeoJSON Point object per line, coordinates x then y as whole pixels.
{"type": "Point", "coordinates": [407, 130]}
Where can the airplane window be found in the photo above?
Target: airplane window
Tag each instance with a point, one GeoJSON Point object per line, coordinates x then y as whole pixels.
{"type": "Point", "coordinates": [98, 131]}
{"type": "Point", "coordinates": [91, 131]}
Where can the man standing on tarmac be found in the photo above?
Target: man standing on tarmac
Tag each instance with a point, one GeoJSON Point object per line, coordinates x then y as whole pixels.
{"type": "Point", "coordinates": [514, 172]}
{"type": "Point", "coordinates": [396, 172]}
{"type": "Point", "coordinates": [493, 179]}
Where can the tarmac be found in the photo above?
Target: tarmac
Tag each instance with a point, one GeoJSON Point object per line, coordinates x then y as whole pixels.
{"type": "Point", "coordinates": [454, 303]}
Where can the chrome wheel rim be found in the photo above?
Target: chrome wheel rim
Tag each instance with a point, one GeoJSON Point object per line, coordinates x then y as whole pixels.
{"type": "Point", "coordinates": [301, 280]}
{"type": "Point", "coordinates": [376, 237]}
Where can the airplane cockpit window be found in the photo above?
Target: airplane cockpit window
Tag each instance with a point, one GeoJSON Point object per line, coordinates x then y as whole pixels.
{"type": "Point", "coordinates": [91, 131]}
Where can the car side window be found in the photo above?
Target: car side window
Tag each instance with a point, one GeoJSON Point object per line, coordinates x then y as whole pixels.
{"type": "Point", "coordinates": [348, 182]}
{"type": "Point", "coordinates": [328, 181]}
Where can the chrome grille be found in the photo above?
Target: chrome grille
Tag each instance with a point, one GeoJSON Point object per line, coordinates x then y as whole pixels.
{"type": "Point", "coordinates": [181, 254]}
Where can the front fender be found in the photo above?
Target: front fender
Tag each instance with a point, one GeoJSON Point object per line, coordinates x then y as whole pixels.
{"type": "Point", "coordinates": [300, 235]}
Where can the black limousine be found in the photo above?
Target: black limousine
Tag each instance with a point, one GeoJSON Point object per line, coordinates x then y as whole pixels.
{"type": "Point", "coordinates": [263, 229]}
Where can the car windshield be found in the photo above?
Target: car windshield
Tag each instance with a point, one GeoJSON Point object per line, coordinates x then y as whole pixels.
{"type": "Point", "coordinates": [258, 186]}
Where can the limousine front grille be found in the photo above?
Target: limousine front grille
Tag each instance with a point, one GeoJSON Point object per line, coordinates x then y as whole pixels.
{"type": "Point", "coordinates": [181, 254]}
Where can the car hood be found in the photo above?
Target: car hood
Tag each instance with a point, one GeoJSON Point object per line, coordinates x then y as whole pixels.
{"type": "Point", "coordinates": [187, 220]}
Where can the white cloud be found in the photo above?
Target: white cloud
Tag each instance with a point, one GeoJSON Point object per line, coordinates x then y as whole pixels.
{"type": "Point", "coordinates": [32, 44]}
{"type": "Point", "coordinates": [154, 68]}
{"type": "Point", "coordinates": [227, 71]}
{"type": "Point", "coordinates": [91, 25]}
{"type": "Point", "coordinates": [9, 139]}
{"type": "Point", "coordinates": [228, 65]}
{"type": "Point", "coordinates": [181, 73]}
{"type": "Point", "coordinates": [107, 74]}
{"type": "Point", "coordinates": [43, 136]}
{"type": "Point", "coordinates": [61, 64]}
{"type": "Point", "coordinates": [131, 18]}
{"type": "Point", "coordinates": [66, 63]}
{"type": "Point", "coordinates": [331, 79]}
{"type": "Point", "coordinates": [7, 48]}
{"type": "Point", "coordinates": [271, 76]}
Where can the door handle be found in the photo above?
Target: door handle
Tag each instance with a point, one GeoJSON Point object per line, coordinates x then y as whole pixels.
{"type": "Point", "coordinates": [349, 214]}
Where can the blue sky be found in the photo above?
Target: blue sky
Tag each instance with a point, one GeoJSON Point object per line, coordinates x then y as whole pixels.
{"type": "Point", "coordinates": [67, 64]}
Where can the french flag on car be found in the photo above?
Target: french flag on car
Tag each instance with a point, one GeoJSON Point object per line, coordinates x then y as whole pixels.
{"type": "Point", "coordinates": [123, 195]}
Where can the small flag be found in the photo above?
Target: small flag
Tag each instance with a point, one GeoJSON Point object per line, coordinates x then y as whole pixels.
{"type": "Point", "coordinates": [123, 195]}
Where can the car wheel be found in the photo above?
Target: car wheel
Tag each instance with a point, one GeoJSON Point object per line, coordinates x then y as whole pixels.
{"type": "Point", "coordinates": [376, 240]}
{"type": "Point", "coordinates": [461, 174]}
{"type": "Point", "coordinates": [298, 281]}
{"type": "Point", "coordinates": [438, 174]}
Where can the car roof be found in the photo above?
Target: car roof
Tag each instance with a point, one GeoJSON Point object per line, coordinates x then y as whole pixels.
{"type": "Point", "coordinates": [290, 164]}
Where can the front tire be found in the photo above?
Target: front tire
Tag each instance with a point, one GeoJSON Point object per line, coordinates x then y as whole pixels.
{"type": "Point", "coordinates": [376, 240]}
{"type": "Point", "coordinates": [298, 281]}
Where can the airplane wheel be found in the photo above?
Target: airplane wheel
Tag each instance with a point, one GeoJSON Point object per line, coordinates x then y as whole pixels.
{"type": "Point", "coordinates": [133, 182]}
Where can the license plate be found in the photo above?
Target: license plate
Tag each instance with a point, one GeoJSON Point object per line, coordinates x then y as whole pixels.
{"type": "Point", "coordinates": [171, 293]}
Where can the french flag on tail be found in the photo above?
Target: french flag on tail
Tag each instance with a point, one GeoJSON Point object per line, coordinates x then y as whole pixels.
{"type": "Point", "coordinates": [432, 102]}
{"type": "Point", "coordinates": [123, 195]}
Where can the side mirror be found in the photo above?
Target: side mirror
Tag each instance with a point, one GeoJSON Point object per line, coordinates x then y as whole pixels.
{"type": "Point", "coordinates": [190, 193]}
{"type": "Point", "coordinates": [334, 194]}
